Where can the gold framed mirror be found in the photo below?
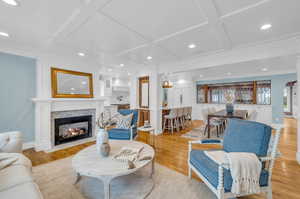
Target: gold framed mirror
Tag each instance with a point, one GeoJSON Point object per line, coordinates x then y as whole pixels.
{"type": "Point", "coordinates": [144, 92]}
{"type": "Point", "coordinates": [71, 84]}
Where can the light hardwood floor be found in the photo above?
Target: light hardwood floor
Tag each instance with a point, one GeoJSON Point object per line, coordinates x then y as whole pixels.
{"type": "Point", "coordinates": [172, 152]}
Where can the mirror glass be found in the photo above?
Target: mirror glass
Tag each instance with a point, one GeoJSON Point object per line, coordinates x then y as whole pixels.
{"type": "Point", "coordinates": [145, 96]}
{"type": "Point", "coordinates": [72, 84]}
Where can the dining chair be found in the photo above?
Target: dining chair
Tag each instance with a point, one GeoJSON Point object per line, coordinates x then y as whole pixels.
{"type": "Point", "coordinates": [212, 123]}
{"type": "Point", "coordinates": [222, 121]}
{"type": "Point", "coordinates": [252, 116]}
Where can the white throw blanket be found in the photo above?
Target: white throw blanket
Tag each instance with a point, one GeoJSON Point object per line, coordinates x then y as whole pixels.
{"type": "Point", "coordinates": [245, 170]}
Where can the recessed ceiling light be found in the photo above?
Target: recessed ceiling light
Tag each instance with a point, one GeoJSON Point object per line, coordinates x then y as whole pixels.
{"type": "Point", "coordinates": [266, 26]}
{"type": "Point", "coordinates": [4, 34]}
{"type": "Point", "coordinates": [109, 70]}
{"type": "Point", "coordinates": [122, 65]}
{"type": "Point", "coordinates": [149, 57]}
{"type": "Point", "coordinates": [81, 54]}
{"type": "Point", "coordinates": [264, 69]}
{"type": "Point", "coordinates": [229, 73]}
{"type": "Point", "coordinates": [192, 46]}
{"type": "Point", "coordinates": [129, 73]}
{"type": "Point", "coordinates": [201, 75]}
{"type": "Point", "coordinates": [11, 2]}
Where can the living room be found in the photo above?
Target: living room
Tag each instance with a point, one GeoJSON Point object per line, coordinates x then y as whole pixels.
{"type": "Point", "coordinates": [149, 99]}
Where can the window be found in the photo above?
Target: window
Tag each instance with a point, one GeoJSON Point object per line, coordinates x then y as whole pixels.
{"type": "Point", "coordinates": [263, 95]}
{"type": "Point", "coordinates": [254, 92]}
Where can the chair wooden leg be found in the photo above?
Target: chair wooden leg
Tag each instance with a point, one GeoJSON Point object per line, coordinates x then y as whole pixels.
{"type": "Point", "coordinates": [205, 129]}
{"type": "Point", "coordinates": [270, 194]}
{"type": "Point", "coordinates": [177, 125]}
{"type": "Point", "coordinates": [172, 126]}
{"type": "Point", "coordinates": [165, 123]}
{"type": "Point", "coordinates": [190, 173]}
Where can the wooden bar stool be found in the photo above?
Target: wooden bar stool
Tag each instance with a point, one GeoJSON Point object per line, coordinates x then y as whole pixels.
{"type": "Point", "coordinates": [170, 122]}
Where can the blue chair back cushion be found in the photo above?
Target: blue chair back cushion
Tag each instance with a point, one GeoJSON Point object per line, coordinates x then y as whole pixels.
{"type": "Point", "coordinates": [247, 136]}
{"type": "Point", "coordinates": [129, 111]}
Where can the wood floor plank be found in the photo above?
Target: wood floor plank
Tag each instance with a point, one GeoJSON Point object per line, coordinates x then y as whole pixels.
{"type": "Point", "coordinates": [172, 152]}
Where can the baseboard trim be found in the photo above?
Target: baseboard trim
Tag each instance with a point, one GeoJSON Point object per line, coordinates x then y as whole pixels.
{"type": "Point", "coordinates": [28, 145]}
{"type": "Point", "coordinates": [298, 157]}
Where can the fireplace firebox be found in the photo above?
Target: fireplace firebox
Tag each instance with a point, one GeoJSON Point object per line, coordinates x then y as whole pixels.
{"type": "Point", "coordinates": [72, 128]}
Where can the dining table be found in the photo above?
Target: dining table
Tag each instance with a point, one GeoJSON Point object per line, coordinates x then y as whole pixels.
{"type": "Point", "coordinates": [239, 114]}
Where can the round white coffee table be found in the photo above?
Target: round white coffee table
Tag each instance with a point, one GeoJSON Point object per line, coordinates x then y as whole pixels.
{"type": "Point", "coordinates": [90, 164]}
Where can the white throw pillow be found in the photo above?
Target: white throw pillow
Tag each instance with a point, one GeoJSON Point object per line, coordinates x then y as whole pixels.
{"type": "Point", "coordinates": [115, 117]}
{"type": "Point", "coordinates": [4, 139]}
{"type": "Point", "coordinates": [124, 121]}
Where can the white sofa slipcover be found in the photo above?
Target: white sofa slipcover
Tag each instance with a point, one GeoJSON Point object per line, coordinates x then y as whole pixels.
{"type": "Point", "coordinates": [16, 180]}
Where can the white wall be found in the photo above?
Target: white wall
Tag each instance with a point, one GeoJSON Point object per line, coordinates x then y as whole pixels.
{"type": "Point", "coordinates": [45, 62]}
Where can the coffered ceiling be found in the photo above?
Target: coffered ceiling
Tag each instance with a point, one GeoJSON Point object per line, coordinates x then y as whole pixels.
{"type": "Point", "coordinates": [128, 31]}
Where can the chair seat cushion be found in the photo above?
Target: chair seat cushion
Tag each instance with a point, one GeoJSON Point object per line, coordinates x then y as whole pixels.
{"type": "Point", "coordinates": [121, 134]}
{"type": "Point", "coordinates": [209, 169]}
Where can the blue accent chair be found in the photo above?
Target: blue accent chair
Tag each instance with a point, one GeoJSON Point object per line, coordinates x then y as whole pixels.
{"type": "Point", "coordinates": [239, 136]}
{"type": "Point", "coordinates": [125, 134]}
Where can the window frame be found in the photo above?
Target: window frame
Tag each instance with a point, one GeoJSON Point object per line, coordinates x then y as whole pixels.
{"type": "Point", "coordinates": [252, 85]}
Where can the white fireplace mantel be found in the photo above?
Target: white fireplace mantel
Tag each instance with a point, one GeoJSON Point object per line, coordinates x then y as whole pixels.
{"type": "Point", "coordinates": [66, 99]}
{"type": "Point", "coordinates": [45, 106]}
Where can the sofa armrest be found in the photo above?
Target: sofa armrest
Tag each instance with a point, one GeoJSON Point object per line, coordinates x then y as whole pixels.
{"type": "Point", "coordinates": [11, 142]}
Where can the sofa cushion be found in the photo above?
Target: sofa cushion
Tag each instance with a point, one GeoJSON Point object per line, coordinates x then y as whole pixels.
{"type": "Point", "coordinates": [21, 159]}
{"type": "Point", "coordinates": [26, 190]}
{"type": "Point", "coordinates": [209, 169]}
{"type": "Point", "coordinates": [14, 175]}
{"type": "Point", "coordinates": [247, 136]}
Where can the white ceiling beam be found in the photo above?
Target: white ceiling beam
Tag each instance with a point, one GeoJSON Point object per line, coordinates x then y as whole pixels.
{"type": "Point", "coordinates": [235, 12]}
{"type": "Point", "coordinates": [264, 50]}
{"type": "Point", "coordinates": [213, 17]}
{"type": "Point", "coordinates": [78, 17]}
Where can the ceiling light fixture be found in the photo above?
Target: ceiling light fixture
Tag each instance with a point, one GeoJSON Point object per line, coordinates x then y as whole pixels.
{"type": "Point", "coordinates": [201, 76]}
{"type": "Point", "coordinates": [149, 57]}
{"type": "Point", "coordinates": [11, 2]}
{"type": "Point", "coordinates": [109, 70]}
{"type": "Point", "coordinates": [4, 34]}
{"type": "Point", "coordinates": [122, 65]}
{"type": "Point", "coordinates": [81, 54]}
{"type": "Point", "coordinates": [191, 46]}
{"type": "Point", "coordinates": [264, 69]}
{"type": "Point", "coordinates": [266, 26]}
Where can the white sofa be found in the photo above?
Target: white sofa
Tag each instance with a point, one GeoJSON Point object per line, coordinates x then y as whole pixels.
{"type": "Point", "coordinates": [16, 180]}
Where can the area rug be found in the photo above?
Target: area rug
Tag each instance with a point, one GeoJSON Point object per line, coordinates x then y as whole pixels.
{"type": "Point", "coordinates": [56, 180]}
{"type": "Point", "coordinates": [198, 133]}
